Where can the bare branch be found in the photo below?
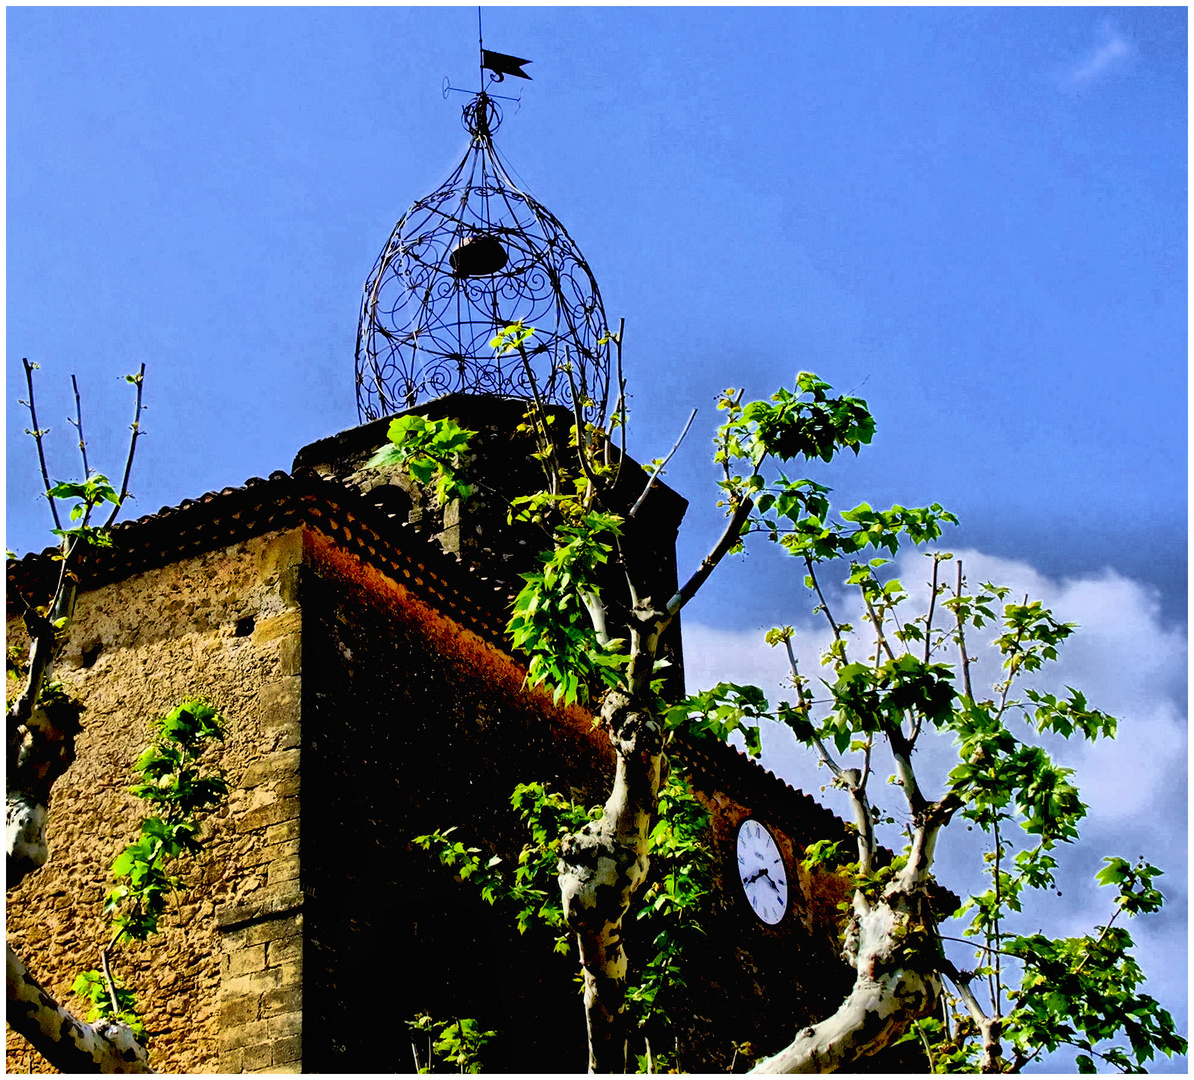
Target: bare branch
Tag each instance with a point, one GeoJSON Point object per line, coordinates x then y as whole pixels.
{"type": "Point", "coordinates": [37, 436]}
{"type": "Point", "coordinates": [837, 633]}
{"type": "Point", "coordinates": [105, 965]}
{"type": "Point", "coordinates": [932, 607]}
{"type": "Point", "coordinates": [990, 1027]}
{"type": "Point", "coordinates": [546, 443]}
{"type": "Point", "coordinates": [826, 757]}
{"type": "Point", "coordinates": [595, 484]}
{"type": "Point", "coordinates": [729, 538]}
{"type": "Point", "coordinates": [128, 464]}
{"type": "Point", "coordinates": [962, 637]}
{"type": "Point", "coordinates": [77, 422]}
{"type": "Point", "coordinates": [659, 468]}
{"type": "Point", "coordinates": [878, 625]}
{"type": "Point", "coordinates": [622, 406]}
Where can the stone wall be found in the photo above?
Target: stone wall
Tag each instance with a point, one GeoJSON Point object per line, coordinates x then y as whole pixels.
{"type": "Point", "coordinates": [226, 627]}
{"type": "Point", "coordinates": [261, 986]}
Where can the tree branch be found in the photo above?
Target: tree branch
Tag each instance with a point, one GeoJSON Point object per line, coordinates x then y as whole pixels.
{"type": "Point", "coordinates": [37, 436]}
{"type": "Point", "coordinates": [595, 484]}
{"type": "Point", "coordinates": [660, 467]}
{"type": "Point", "coordinates": [68, 1044]}
{"type": "Point", "coordinates": [729, 538]}
{"type": "Point", "coordinates": [837, 633]}
{"type": "Point", "coordinates": [139, 378]}
{"type": "Point", "coordinates": [962, 637]}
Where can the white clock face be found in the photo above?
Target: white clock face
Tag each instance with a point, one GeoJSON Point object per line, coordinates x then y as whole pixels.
{"type": "Point", "coordinates": [762, 872]}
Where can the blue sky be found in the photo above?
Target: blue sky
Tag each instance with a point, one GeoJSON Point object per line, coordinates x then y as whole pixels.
{"type": "Point", "coordinates": [974, 218]}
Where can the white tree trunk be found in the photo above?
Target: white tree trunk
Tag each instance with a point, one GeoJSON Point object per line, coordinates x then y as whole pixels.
{"type": "Point", "coordinates": [603, 865]}
{"type": "Point", "coordinates": [895, 948]}
{"type": "Point", "coordinates": [887, 996]}
{"type": "Point", "coordinates": [66, 1043]}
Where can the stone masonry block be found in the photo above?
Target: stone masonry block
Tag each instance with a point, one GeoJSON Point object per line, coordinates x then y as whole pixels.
{"type": "Point", "coordinates": [256, 982]}
{"type": "Point", "coordinates": [286, 738]}
{"type": "Point", "coordinates": [285, 1024]}
{"type": "Point", "coordinates": [277, 626]}
{"type": "Point", "coordinates": [288, 1050]}
{"type": "Point", "coordinates": [246, 961]}
{"type": "Point", "coordinates": [237, 1009]}
{"type": "Point", "coordinates": [235, 939]}
{"type": "Point", "coordinates": [269, 814]}
{"type": "Point", "coordinates": [271, 767]}
{"type": "Point", "coordinates": [284, 830]}
{"type": "Point", "coordinates": [292, 973]}
{"type": "Point", "coordinates": [251, 1034]}
{"type": "Point", "coordinates": [260, 855]}
{"type": "Point", "coordinates": [231, 1061]}
{"type": "Point", "coordinates": [258, 1057]}
{"type": "Point", "coordinates": [281, 1000]}
{"type": "Point", "coordinates": [272, 929]}
{"type": "Point", "coordinates": [290, 655]}
{"type": "Point", "coordinates": [278, 702]}
{"type": "Point", "coordinates": [284, 951]}
{"type": "Point", "coordinates": [286, 869]}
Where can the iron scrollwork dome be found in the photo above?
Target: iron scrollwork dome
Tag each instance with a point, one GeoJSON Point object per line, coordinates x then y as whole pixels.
{"type": "Point", "coordinates": [473, 257]}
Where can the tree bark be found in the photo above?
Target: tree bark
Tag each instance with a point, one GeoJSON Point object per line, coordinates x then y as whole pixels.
{"type": "Point", "coordinates": [40, 750]}
{"type": "Point", "coordinates": [891, 990]}
{"type": "Point", "coordinates": [66, 1043]}
{"type": "Point", "coordinates": [603, 865]}
{"type": "Point", "coordinates": [895, 949]}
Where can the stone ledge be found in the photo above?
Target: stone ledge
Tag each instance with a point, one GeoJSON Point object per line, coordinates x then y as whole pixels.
{"type": "Point", "coordinates": [233, 917]}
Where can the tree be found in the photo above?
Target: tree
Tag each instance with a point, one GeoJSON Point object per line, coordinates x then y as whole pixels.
{"type": "Point", "coordinates": [43, 721]}
{"type": "Point", "coordinates": [583, 640]}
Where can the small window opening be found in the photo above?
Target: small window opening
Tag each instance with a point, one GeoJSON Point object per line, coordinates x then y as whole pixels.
{"type": "Point", "coordinates": [91, 653]}
{"type": "Point", "coordinates": [244, 627]}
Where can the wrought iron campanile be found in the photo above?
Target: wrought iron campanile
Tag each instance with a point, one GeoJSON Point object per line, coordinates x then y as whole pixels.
{"type": "Point", "coordinates": [473, 257]}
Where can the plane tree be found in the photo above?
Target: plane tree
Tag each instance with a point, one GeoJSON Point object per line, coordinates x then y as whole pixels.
{"type": "Point", "coordinates": [889, 684]}
{"type": "Point", "coordinates": [43, 721]}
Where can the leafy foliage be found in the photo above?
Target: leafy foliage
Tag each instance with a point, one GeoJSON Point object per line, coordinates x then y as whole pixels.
{"type": "Point", "coordinates": [455, 1044]}
{"type": "Point", "coordinates": [718, 713]}
{"type": "Point", "coordinates": [897, 679]}
{"type": "Point", "coordinates": [551, 622]}
{"type": "Point", "coordinates": [91, 985]}
{"type": "Point", "coordinates": [667, 915]}
{"type": "Point", "coordinates": [174, 783]}
{"type": "Point", "coordinates": [431, 451]}
{"type": "Point", "coordinates": [90, 495]}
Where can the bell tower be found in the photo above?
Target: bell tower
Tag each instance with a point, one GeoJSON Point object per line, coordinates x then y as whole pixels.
{"type": "Point", "coordinates": [476, 255]}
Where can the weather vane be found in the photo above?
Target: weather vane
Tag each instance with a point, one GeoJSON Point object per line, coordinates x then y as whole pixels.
{"type": "Point", "coordinates": [501, 64]}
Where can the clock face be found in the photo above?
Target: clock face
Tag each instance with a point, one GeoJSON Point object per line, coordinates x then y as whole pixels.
{"type": "Point", "coordinates": [762, 872]}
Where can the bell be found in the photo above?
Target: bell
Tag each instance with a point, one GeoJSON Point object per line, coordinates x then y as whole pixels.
{"type": "Point", "coordinates": [477, 256]}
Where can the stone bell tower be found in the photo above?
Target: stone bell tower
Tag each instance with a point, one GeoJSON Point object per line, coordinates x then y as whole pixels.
{"type": "Point", "coordinates": [475, 256]}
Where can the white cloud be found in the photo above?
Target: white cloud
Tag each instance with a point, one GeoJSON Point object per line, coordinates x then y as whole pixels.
{"type": "Point", "coordinates": [1103, 58]}
{"type": "Point", "coordinates": [1122, 658]}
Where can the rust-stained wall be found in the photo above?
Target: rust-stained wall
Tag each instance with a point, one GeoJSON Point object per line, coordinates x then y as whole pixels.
{"type": "Point", "coordinates": [224, 626]}
{"type": "Point", "coordinates": [413, 724]}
